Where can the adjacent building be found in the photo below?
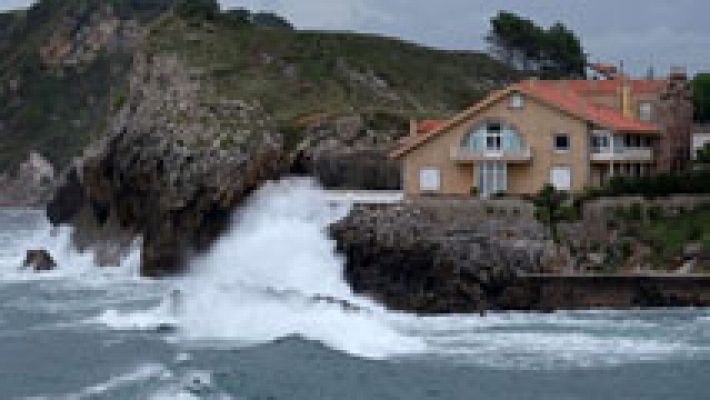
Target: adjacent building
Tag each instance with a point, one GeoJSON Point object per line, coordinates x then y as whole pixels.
{"type": "Point", "coordinates": [701, 139]}
{"type": "Point", "coordinates": [569, 133]}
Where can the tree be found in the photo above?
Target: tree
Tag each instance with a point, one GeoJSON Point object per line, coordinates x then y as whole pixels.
{"type": "Point", "coordinates": [556, 52]}
{"type": "Point", "coordinates": [270, 20]}
{"type": "Point", "coordinates": [563, 52]}
{"type": "Point", "coordinates": [197, 9]}
{"type": "Point", "coordinates": [701, 97]}
{"type": "Point", "coordinates": [703, 157]}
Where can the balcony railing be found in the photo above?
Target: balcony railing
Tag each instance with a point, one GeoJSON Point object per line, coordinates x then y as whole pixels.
{"type": "Point", "coordinates": [462, 154]}
{"type": "Point", "coordinates": [639, 154]}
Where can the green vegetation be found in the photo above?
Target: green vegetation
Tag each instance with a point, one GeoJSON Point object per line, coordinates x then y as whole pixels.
{"type": "Point", "coordinates": [690, 182]}
{"type": "Point", "coordinates": [669, 235]}
{"type": "Point", "coordinates": [198, 9]}
{"type": "Point", "coordinates": [53, 107]}
{"type": "Point", "coordinates": [57, 108]}
{"type": "Point", "coordinates": [703, 158]}
{"type": "Point", "coordinates": [553, 207]}
{"type": "Point", "coordinates": [701, 97]}
{"type": "Point", "coordinates": [555, 52]}
{"type": "Point", "coordinates": [298, 74]}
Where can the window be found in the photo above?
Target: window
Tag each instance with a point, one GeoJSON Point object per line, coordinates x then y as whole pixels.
{"type": "Point", "coordinates": [600, 143]}
{"type": "Point", "coordinates": [429, 179]}
{"type": "Point", "coordinates": [517, 101]}
{"type": "Point", "coordinates": [493, 137]}
{"type": "Point", "coordinates": [645, 111]}
{"type": "Point", "coordinates": [561, 142]}
{"type": "Point", "coordinates": [561, 177]}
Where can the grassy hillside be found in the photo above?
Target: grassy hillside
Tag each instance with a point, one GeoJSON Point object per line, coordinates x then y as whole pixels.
{"type": "Point", "coordinates": [56, 104]}
{"type": "Point", "coordinates": [58, 85]}
{"type": "Point", "coordinates": [297, 73]}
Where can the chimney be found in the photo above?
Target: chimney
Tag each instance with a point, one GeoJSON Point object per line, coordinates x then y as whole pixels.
{"type": "Point", "coordinates": [678, 74]}
{"type": "Point", "coordinates": [413, 128]}
{"type": "Point", "coordinates": [625, 93]}
{"type": "Point", "coordinates": [627, 102]}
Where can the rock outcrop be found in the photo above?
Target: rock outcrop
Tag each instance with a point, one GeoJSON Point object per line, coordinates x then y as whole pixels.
{"type": "Point", "coordinates": [442, 256]}
{"type": "Point", "coordinates": [39, 261]}
{"type": "Point", "coordinates": [351, 152]}
{"type": "Point", "coordinates": [30, 186]}
{"type": "Point", "coordinates": [178, 159]}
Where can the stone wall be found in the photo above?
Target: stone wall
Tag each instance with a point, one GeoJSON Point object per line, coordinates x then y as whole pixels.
{"type": "Point", "coordinates": [549, 292]}
{"type": "Point", "coordinates": [598, 213]}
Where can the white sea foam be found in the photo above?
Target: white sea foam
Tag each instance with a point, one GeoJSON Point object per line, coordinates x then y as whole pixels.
{"type": "Point", "coordinates": [40, 234]}
{"type": "Point", "coordinates": [258, 283]}
{"type": "Point", "coordinates": [141, 373]}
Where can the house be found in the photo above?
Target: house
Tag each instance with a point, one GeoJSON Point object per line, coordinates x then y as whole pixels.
{"type": "Point", "coordinates": [701, 139]}
{"type": "Point", "coordinates": [569, 133]}
{"type": "Point", "coordinates": [602, 71]}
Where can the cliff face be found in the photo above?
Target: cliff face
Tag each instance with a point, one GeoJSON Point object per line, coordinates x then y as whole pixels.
{"type": "Point", "coordinates": [178, 159]}
{"type": "Point", "coordinates": [61, 63]}
{"type": "Point", "coordinates": [442, 256]}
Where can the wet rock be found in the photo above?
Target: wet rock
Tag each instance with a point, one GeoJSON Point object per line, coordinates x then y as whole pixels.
{"type": "Point", "coordinates": [39, 261]}
{"type": "Point", "coordinates": [177, 160]}
{"type": "Point", "coordinates": [440, 256]}
{"type": "Point", "coordinates": [344, 304]}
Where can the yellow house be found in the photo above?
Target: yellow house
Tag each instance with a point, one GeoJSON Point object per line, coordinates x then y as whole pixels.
{"type": "Point", "coordinates": [571, 134]}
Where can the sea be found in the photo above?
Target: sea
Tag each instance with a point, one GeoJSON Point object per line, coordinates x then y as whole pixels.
{"type": "Point", "coordinates": [249, 322]}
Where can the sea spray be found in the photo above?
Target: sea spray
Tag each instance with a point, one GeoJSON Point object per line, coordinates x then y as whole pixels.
{"type": "Point", "coordinates": [277, 274]}
{"type": "Point", "coordinates": [38, 233]}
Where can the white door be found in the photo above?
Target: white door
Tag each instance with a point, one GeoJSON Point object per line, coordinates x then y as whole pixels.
{"type": "Point", "coordinates": [491, 178]}
{"type": "Point", "coordinates": [561, 178]}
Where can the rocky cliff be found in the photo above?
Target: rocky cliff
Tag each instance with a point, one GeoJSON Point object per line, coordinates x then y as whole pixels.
{"type": "Point", "coordinates": [177, 160]}
{"type": "Point", "coordinates": [216, 106]}
{"type": "Point", "coordinates": [438, 256]}
{"type": "Point", "coordinates": [64, 68]}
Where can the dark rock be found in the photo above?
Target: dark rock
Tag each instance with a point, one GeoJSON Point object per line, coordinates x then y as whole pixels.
{"type": "Point", "coordinates": [350, 152]}
{"type": "Point", "coordinates": [344, 304]}
{"type": "Point", "coordinates": [439, 257]}
{"type": "Point", "coordinates": [39, 261]}
{"type": "Point", "coordinates": [68, 198]}
{"type": "Point", "coordinates": [173, 185]}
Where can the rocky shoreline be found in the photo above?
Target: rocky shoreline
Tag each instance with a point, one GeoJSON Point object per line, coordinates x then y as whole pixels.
{"type": "Point", "coordinates": [466, 255]}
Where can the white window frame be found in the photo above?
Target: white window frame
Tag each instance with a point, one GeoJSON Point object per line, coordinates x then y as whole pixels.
{"type": "Point", "coordinates": [429, 179]}
{"type": "Point", "coordinates": [517, 101]}
{"type": "Point", "coordinates": [645, 111]}
{"type": "Point", "coordinates": [600, 143]}
{"type": "Point", "coordinates": [494, 137]}
{"type": "Point", "coordinates": [554, 181]}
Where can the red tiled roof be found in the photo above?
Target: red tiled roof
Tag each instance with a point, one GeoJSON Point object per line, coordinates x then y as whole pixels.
{"type": "Point", "coordinates": [612, 86]}
{"type": "Point", "coordinates": [568, 96]}
{"type": "Point", "coordinates": [429, 125]}
{"type": "Point", "coordinates": [604, 68]}
{"type": "Point", "coordinates": [571, 101]}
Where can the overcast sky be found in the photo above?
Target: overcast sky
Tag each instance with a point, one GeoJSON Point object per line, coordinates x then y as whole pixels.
{"type": "Point", "coordinates": [640, 32]}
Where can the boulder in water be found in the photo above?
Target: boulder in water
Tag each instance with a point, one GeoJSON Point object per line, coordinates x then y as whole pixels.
{"type": "Point", "coordinates": [39, 261]}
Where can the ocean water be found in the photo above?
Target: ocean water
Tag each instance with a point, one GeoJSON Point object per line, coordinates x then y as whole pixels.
{"type": "Point", "coordinates": [246, 324]}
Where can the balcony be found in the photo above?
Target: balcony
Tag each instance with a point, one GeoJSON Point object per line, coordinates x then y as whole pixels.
{"type": "Point", "coordinates": [629, 154]}
{"type": "Point", "coordinates": [465, 155]}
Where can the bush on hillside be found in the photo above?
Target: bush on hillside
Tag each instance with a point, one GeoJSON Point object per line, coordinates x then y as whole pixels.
{"type": "Point", "coordinates": [197, 9]}
{"type": "Point", "coordinates": [691, 182]}
{"type": "Point", "coordinates": [270, 20]}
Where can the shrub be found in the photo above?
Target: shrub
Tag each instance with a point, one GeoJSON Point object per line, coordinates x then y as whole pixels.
{"type": "Point", "coordinates": [197, 9]}
{"type": "Point", "coordinates": [655, 213]}
{"type": "Point", "coordinates": [635, 212]}
{"type": "Point", "coordinates": [690, 182]}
